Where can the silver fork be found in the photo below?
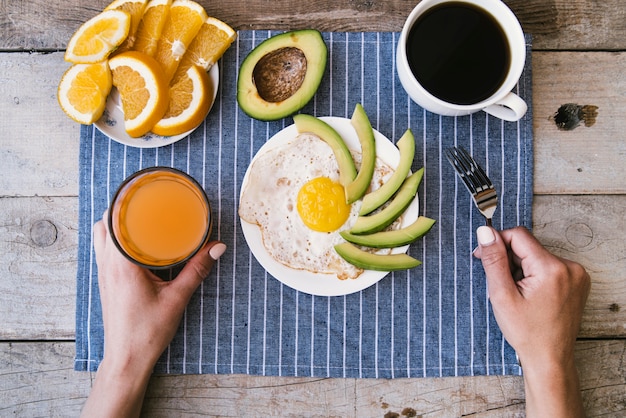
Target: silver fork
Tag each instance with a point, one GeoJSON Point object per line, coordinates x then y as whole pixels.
{"type": "Point", "coordinates": [476, 181]}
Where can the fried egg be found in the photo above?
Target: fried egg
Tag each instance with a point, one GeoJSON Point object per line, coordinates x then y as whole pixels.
{"type": "Point", "coordinates": [293, 195]}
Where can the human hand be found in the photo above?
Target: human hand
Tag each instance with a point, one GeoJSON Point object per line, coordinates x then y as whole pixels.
{"type": "Point", "coordinates": [141, 314]}
{"type": "Point", "coordinates": [538, 300]}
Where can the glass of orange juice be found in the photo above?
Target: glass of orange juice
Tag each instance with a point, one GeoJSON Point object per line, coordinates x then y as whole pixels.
{"type": "Point", "coordinates": [160, 217]}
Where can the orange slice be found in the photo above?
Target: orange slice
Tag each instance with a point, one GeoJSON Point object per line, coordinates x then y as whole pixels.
{"type": "Point", "coordinates": [190, 100]}
{"type": "Point", "coordinates": [151, 26]}
{"type": "Point", "coordinates": [210, 43]}
{"type": "Point", "coordinates": [83, 91]}
{"type": "Point", "coordinates": [98, 37]}
{"type": "Point", "coordinates": [135, 9]}
{"type": "Point", "coordinates": [142, 88]}
{"type": "Point", "coordinates": [183, 23]}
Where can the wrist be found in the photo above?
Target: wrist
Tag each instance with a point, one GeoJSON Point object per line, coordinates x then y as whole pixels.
{"type": "Point", "coordinates": [120, 366]}
{"type": "Point", "coordinates": [118, 390]}
{"type": "Point", "coordinates": [115, 370]}
{"type": "Point", "coordinates": [552, 388]}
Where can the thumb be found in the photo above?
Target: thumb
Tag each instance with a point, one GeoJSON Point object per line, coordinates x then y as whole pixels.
{"type": "Point", "coordinates": [495, 258]}
{"type": "Point", "coordinates": [197, 269]}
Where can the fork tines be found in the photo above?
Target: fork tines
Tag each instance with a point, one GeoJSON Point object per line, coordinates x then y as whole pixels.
{"type": "Point", "coordinates": [475, 179]}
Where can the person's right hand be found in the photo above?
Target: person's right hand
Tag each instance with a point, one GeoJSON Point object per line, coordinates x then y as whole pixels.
{"type": "Point", "coordinates": [538, 300]}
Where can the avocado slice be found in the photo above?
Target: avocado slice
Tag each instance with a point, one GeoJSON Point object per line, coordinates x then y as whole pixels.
{"type": "Point", "coordinates": [357, 188]}
{"type": "Point", "coordinates": [311, 124]}
{"type": "Point", "coordinates": [377, 198]}
{"type": "Point", "coordinates": [281, 74]}
{"type": "Point", "coordinates": [392, 239]}
{"type": "Point", "coordinates": [381, 220]}
{"type": "Point", "coordinates": [379, 262]}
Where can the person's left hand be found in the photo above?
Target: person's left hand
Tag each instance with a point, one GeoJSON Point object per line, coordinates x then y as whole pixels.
{"type": "Point", "coordinates": [141, 312]}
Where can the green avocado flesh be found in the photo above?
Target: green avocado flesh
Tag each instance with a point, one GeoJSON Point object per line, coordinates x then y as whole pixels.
{"type": "Point", "coordinates": [357, 188]}
{"type": "Point", "coordinates": [281, 74]}
{"type": "Point", "coordinates": [377, 198]}
{"type": "Point", "coordinates": [392, 239]}
{"type": "Point", "coordinates": [379, 262]}
{"type": "Point", "coordinates": [381, 220]}
{"type": "Point", "coordinates": [307, 123]}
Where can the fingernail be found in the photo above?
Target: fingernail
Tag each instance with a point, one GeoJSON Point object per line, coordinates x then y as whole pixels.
{"type": "Point", "coordinates": [485, 235]}
{"type": "Point", "coordinates": [217, 250]}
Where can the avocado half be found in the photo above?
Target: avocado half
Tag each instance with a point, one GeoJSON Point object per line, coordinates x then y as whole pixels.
{"type": "Point", "coordinates": [281, 74]}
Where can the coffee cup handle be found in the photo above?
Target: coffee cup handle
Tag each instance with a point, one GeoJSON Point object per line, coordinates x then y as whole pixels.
{"type": "Point", "coordinates": [510, 108]}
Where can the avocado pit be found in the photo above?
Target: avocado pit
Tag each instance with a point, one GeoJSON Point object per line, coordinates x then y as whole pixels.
{"type": "Point", "coordinates": [280, 74]}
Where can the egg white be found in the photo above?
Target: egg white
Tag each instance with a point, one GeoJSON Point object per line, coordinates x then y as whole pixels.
{"type": "Point", "coordinates": [269, 197]}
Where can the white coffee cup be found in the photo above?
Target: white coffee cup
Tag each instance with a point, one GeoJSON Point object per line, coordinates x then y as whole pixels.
{"type": "Point", "coordinates": [503, 103]}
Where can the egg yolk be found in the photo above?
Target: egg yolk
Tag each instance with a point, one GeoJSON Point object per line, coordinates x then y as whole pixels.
{"type": "Point", "coordinates": [322, 205]}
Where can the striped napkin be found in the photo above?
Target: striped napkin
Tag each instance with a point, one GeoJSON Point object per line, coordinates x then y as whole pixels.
{"type": "Point", "coordinates": [434, 320]}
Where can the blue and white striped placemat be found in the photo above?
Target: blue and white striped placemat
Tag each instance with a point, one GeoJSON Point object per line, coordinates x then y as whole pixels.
{"type": "Point", "coordinates": [433, 320]}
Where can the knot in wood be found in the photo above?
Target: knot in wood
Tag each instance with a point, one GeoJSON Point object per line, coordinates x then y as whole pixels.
{"type": "Point", "coordinates": [43, 233]}
{"type": "Point", "coordinates": [579, 235]}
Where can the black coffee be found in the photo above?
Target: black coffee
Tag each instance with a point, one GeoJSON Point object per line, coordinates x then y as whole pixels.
{"type": "Point", "coordinates": [458, 53]}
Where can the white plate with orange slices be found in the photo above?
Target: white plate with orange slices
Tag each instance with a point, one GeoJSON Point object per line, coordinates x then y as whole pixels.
{"type": "Point", "coordinates": [153, 78]}
{"type": "Point", "coordinates": [112, 121]}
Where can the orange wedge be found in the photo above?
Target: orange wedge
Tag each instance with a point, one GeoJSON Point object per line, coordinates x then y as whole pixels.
{"type": "Point", "coordinates": [190, 100]}
{"type": "Point", "coordinates": [98, 37]}
{"type": "Point", "coordinates": [143, 90]}
{"type": "Point", "coordinates": [183, 23]}
{"type": "Point", "coordinates": [135, 9]}
{"type": "Point", "coordinates": [151, 26]}
{"type": "Point", "coordinates": [210, 43]}
{"type": "Point", "coordinates": [83, 91]}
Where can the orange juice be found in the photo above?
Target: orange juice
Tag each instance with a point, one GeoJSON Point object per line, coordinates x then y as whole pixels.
{"type": "Point", "coordinates": [160, 217]}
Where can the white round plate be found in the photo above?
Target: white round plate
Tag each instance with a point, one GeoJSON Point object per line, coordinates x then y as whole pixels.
{"type": "Point", "coordinates": [112, 121]}
{"type": "Point", "coordinates": [318, 283]}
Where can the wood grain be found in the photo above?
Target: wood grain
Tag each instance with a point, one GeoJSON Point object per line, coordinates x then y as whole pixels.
{"type": "Point", "coordinates": [572, 24]}
{"type": "Point", "coordinates": [555, 24]}
{"type": "Point", "coordinates": [39, 245]}
{"type": "Point", "coordinates": [592, 231]}
{"type": "Point", "coordinates": [36, 379]}
{"type": "Point", "coordinates": [585, 159]}
{"type": "Point", "coordinates": [39, 143]}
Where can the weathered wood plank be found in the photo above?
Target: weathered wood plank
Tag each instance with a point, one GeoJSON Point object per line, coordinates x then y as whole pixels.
{"type": "Point", "coordinates": [36, 379]}
{"type": "Point", "coordinates": [602, 384]}
{"type": "Point", "coordinates": [555, 24]}
{"type": "Point", "coordinates": [585, 159]}
{"type": "Point", "coordinates": [39, 143]}
{"type": "Point", "coordinates": [592, 231]}
{"type": "Point", "coordinates": [38, 247]}
{"type": "Point", "coordinates": [37, 290]}
{"type": "Point", "coordinates": [572, 24]}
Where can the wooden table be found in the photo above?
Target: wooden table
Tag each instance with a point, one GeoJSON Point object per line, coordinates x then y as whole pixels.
{"type": "Point", "coordinates": [579, 56]}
